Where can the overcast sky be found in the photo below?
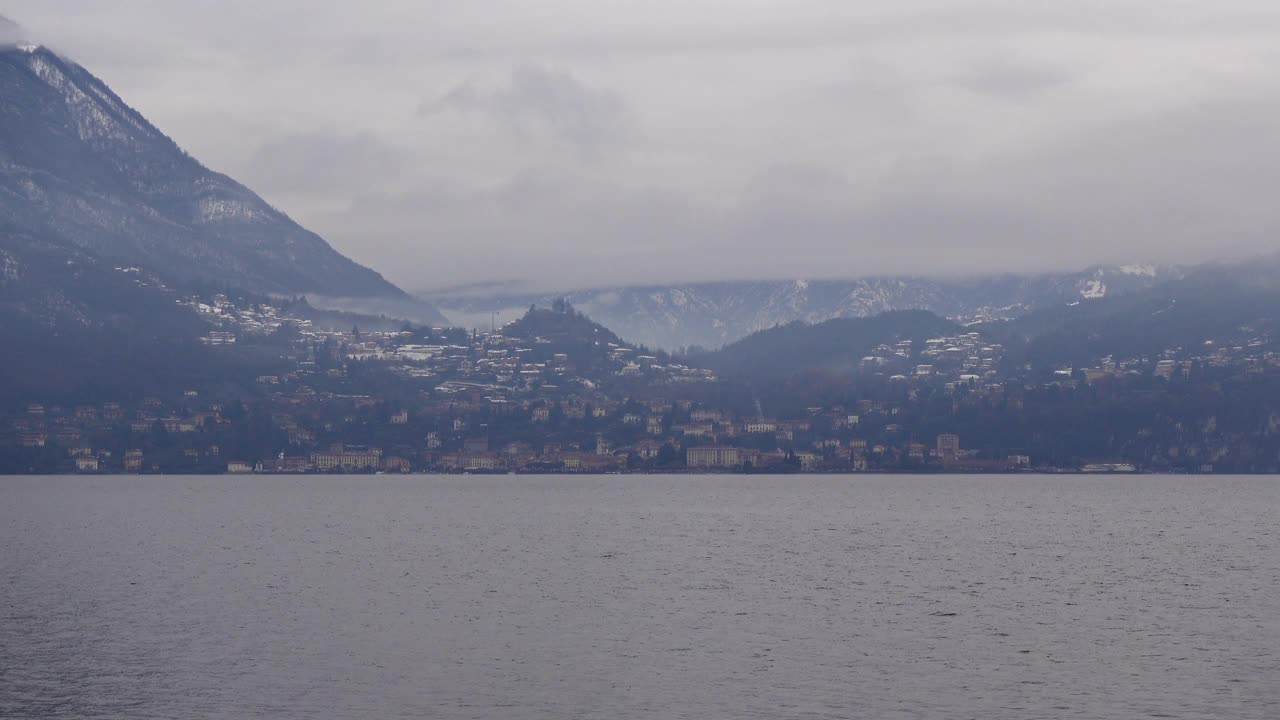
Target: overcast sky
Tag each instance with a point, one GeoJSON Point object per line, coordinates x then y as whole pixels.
{"type": "Point", "coordinates": [584, 142]}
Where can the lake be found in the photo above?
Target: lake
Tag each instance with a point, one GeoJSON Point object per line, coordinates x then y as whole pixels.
{"type": "Point", "coordinates": [640, 597]}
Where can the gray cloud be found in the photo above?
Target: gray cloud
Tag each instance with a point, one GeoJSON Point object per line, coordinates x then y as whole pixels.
{"type": "Point", "coordinates": [1013, 80]}
{"type": "Point", "coordinates": [11, 33]}
{"type": "Point", "coordinates": [574, 142]}
{"type": "Point", "coordinates": [542, 102]}
{"type": "Point", "coordinates": [324, 161]}
{"type": "Point", "coordinates": [540, 226]}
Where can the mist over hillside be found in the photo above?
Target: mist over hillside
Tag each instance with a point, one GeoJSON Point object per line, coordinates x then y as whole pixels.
{"type": "Point", "coordinates": [80, 166]}
{"type": "Point", "coordinates": [710, 315]}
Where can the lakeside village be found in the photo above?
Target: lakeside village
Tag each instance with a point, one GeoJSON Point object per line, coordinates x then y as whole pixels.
{"type": "Point", "coordinates": [553, 392]}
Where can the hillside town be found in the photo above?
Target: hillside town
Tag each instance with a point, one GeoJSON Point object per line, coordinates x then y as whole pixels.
{"type": "Point", "coordinates": [554, 392]}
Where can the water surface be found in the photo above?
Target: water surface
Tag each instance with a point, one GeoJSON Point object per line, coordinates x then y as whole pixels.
{"type": "Point", "coordinates": [639, 597]}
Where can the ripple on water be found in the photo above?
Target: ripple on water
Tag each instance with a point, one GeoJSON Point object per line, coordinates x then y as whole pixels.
{"type": "Point", "coordinates": [627, 597]}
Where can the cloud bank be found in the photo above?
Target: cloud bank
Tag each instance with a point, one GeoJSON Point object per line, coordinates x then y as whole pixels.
{"type": "Point", "coordinates": [573, 142]}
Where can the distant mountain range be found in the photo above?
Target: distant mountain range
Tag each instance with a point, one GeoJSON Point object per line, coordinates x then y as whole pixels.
{"type": "Point", "coordinates": [1212, 305]}
{"type": "Point", "coordinates": [838, 344]}
{"type": "Point", "coordinates": [104, 221]}
{"type": "Point", "coordinates": [1209, 307]}
{"type": "Point", "coordinates": [80, 168]}
{"type": "Point", "coordinates": [715, 314]}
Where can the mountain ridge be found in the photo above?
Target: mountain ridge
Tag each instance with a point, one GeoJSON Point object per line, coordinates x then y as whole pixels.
{"type": "Point", "coordinates": [79, 164]}
{"type": "Point", "coordinates": [715, 314]}
{"type": "Point", "coordinates": [838, 344]}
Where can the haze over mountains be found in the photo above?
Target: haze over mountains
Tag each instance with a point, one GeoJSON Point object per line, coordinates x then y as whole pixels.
{"type": "Point", "coordinates": [81, 168]}
{"type": "Point", "coordinates": [150, 309]}
{"type": "Point", "coordinates": [87, 183]}
{"type": "Point", "coordinates": [714, 314]}
{"type": "Point", "coordinates": [1197, 310]}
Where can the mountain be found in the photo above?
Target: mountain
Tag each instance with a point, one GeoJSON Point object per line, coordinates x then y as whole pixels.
{"type": "Point", "coordinates": [713, 314]}
{"type": "Point", "coordinates": [563, 330]}
{"type": "Point", "coordinates": [834, 345]}
{"type": "Point", "coordinates": [79, 166]}
{"type": "Point", "coordinates": [1213, 306]}
{"type": "Point", "coordinates": [77, 326]}
{"type": "Point", "coordinates": [63, 288]}
{"type": "Point", "coordinates": [560, 324]}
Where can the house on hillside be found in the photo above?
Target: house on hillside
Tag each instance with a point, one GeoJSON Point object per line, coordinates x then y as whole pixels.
{"type": "Point", "coordinates": [712, 456]}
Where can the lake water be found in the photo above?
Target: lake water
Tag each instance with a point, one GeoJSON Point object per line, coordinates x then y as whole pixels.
{"type": "Point", "coordinates": [640, 597]}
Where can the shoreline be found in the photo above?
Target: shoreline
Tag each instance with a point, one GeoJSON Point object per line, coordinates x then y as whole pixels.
{"type": "Point", "coordinates": [461, 473]}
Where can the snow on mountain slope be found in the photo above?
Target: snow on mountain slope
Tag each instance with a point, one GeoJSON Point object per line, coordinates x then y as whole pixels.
{"type": "Point", "coordinates": [713, 314]}
{"type": "Point", "coordinates": [79, 164]}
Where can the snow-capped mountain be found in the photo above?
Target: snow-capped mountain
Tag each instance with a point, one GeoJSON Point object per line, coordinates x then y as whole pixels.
{"type": "Point", "coordinates": [77, 164]}
{"type": "Point", "coordinates": [713, 314]}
